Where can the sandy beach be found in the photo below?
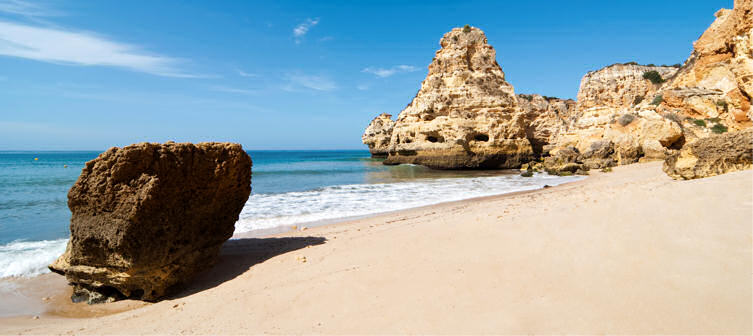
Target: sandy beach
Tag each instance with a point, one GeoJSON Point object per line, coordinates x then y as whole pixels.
{"type": "Point", "coordinates": [631, 251]}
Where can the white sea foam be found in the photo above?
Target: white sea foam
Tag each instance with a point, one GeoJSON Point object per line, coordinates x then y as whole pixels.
{"type": "Point", "coordinates": [264, 211]}
{"type": "Point", "coordinates": [22, 258]}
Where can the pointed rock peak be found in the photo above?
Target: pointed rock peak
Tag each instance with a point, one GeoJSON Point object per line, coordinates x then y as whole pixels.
{"type": "Point", "coordinates": [463, 37]}
{"type": "Point", "coordinates": [465, 49]}
{"type": "Point", "coordinates": [465, 115]}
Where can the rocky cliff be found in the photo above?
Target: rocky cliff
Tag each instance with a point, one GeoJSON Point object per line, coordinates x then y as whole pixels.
{"type": "Point", "coordinates": [545, 118]}
{"type": "Point", "coordinates": [377, 135]}
{"type": "Point", "coordinates": [620, 85]}
{"type": "Point", "coordinates": [465, 115]}
{"type": "Point", "coordinates": [716, 81]}
{"type": "Point", "coordinates": [608, 126]}
{"type": "Point", "coordinates": [627, 112]}
{"type": "Point", "coordinates": [146, 217]}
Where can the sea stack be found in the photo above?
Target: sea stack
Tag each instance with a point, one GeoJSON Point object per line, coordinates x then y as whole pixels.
{"type": "Point", "coordinates": [147, 217]}
{"type": "Point", "coordinates": [377, 135]}
{"type": "Point", "coordinates": [465, 115]}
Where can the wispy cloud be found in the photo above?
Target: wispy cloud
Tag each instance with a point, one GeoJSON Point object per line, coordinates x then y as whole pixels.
{"type": "Point", "coordinates": [319, 83]}
{"type": "Point", "coordinates": [234, 90]}
{"type": "Point", "coordinates": [362, 87]}
{"type": "Point", "coordinates": [386, 72]}
{"type": "Point", "coordinates": [302, 29]}
{"type": "Point", "coordinates": [247, 74]}
{"type": "Point", "coordinates": [26, 8]}
{"type": "Point", "coordinates": [56, 45]}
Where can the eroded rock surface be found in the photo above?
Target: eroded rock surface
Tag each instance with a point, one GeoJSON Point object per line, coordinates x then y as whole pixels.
{"type": "Point", "coordinates": [713, 155]}
{"type": "Point", "coordinates": [611, 125]}
{"type": "Point", "coordinates": [377, 135]}
{"type": "Point", "coordinates": [545, 118]}
{"type": "Point", "coordinates": [465, 115]}
{"type": "Point", "coordinates": [620, 86]}
{"type": "Point", "coordinates": [146, 217]}
{"type": "Point", "coordinates": [716, 81]}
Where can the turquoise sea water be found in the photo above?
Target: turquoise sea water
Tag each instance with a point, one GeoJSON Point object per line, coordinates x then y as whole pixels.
{"type": "Point", "coordinates": [289, 188]}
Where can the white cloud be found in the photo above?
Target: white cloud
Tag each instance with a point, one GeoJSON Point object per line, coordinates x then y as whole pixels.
{"type": "Point", "coordinates": [386, 72]}
{"type": "Point", "coordinates": [25, 8]}
{"type": "Point", "coordinates": [81, 48]}
{"type": "Point", "coordinates": [247, 74]}
{"type": "Point", "coordinates": [319, 83]}
{"type": "Point", "coordinates": [362, 87]}
{"type": "Point", "coordinates": [302, 29]}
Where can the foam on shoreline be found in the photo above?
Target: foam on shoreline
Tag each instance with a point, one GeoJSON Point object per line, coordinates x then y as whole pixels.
{"type": "Point", "coordinates": [267, 211]}
{"type": "Point", "coordinates": [29, 258]}
{"type": "Point", "coordinates": [278, 210]}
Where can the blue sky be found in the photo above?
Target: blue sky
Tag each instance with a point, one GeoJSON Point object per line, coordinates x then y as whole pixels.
{"type": "Point", "coordinates": [89, 75]}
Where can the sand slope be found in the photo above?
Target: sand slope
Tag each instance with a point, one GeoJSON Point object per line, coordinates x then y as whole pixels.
{"type": "Point", "coordinates": [630, 251]}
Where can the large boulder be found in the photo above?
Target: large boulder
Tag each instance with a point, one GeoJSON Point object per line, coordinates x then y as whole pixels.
{"type": "Point", "coordinates": [377, 135]}
{"type": "Point", "coordinates": [465, 115]}
{"type": "Point", "coordinates": [147, 217]}
{"type": "Point", "coordinates": [713, 155]}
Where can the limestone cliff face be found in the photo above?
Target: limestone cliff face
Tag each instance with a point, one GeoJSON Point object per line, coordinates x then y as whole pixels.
{"type": "Point", "coordinates": [465, 115]}
{"type": "Point", "coordinates": [717, 79]}
{"type": "Point", "coordinates": [610, 125]}
{"type": "Point", "coordinates": [545, 118]}
{"type": "Point", "coordinates": [619, 86]}
{"type": "Point", "coordinates": [377, 135]}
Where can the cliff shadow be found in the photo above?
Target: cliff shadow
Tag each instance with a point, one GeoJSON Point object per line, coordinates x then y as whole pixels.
{"type": "Point", "coordinates": [238, 255]}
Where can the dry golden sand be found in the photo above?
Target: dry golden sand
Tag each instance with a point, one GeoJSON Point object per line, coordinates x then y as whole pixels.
{"type": "Point", "coordinates": [630, 251]}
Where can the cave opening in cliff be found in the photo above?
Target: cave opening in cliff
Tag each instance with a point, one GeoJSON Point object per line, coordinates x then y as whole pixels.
{"type": "Point", "coordinates": [434, 138]}
{"type": "Point", "coordinates": [481, 137]}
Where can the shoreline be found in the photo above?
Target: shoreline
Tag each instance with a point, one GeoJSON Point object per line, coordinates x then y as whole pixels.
{"type": "Point", "coordinates": [281, 230]}
{"type": "Point", "coordinates": [56, 302]}
{"type": "Point", "coordinates": [550, 258]}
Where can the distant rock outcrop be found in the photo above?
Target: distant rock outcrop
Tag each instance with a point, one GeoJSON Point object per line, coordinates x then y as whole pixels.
{"type": "Point", "coordinates": [713, 155]}
{"type": "Point", "coordinates": [465, 115]}
{"type": "Point", "coordinates": [627, 112]}
{"type": "Point", "coordinates": [545, 118]}
{"type": "Point", "coordinates": [621, 86]}
{"type": "Point", "coordinates": [377, 135]}
{"type": "Point", "coordinates": [146, 217]}
{"type": "Point", "coordinates": [716, 82]}
{"type": "Point", "coordinates": [609, 128]}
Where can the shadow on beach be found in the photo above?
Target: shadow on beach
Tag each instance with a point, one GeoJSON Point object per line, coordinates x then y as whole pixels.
{"type": "Point", "coordinates": [238, 255]}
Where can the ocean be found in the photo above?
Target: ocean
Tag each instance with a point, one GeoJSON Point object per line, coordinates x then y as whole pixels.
{"type": "Point", "coordinates": [288, 188]}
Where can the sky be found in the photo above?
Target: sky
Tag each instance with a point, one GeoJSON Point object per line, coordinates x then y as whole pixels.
{"type": "Point", "coordinates": [89, 75]}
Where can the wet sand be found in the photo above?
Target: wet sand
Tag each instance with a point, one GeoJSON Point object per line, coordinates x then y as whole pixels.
{"type": "Point", "coordinates": [631, 251]}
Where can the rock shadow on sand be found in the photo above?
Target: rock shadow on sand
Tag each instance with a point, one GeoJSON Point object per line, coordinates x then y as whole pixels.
{"type": "Point", "coordinates": [239, 255]}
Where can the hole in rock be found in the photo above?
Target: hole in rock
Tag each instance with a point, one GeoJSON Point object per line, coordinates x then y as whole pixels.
{"type": "Point", "coordinates": [434, 138]}
{"type": "Point", "coordinates": [481, 137]}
